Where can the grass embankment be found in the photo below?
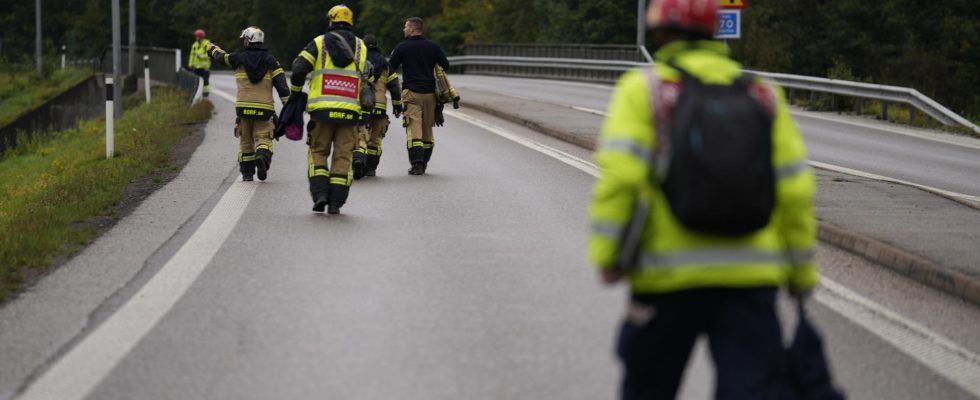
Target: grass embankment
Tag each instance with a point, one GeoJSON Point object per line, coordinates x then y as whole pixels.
{"type": "Point", "coordinates": [22, 91]}
{"type": "Point", "coordinates": [51, 185]}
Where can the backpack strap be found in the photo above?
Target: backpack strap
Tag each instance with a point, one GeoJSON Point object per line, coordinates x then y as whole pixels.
{"type": "Point", "coordinates": [350, 53]}
{"type": "Point", "coordinates": [660, 158]}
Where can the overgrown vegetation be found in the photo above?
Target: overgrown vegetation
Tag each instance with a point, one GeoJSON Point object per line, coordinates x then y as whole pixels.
{"type": "Point", "coordinates": [22, 91]}
{"type": "Point", "coordinates": [51, 185]}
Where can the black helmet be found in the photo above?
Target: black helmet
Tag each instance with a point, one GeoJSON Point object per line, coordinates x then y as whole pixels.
{"type": "Point", "coordinates": [370, 41]}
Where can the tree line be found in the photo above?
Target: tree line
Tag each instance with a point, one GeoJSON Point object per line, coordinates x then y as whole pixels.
{"type": "Point", "coordinates": [933, 46]}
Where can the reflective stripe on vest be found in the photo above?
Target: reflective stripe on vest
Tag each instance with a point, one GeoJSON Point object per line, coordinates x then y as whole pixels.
{"type": "Point", "coordinates": [332, 87]}
{"type": "Point", "coordinates": [711, 256]}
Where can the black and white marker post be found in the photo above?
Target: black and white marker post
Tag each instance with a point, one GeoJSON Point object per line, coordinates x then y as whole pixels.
{"type": "Point", "coordinates": [109, 118]}
{"type": "Point", "coordinates": [146, 76]}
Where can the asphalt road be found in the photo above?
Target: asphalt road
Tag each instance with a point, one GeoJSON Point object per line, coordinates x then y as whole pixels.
{"type": "Point", "coordinates": [874, 148]}
{"type": "Point", "coordinates": [467, 283]}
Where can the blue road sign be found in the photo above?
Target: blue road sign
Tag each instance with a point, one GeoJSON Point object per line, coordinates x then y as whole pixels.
{"type": "Point", "coordinates": [729, 24]}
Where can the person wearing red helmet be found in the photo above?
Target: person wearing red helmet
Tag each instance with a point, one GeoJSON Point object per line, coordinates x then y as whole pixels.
{"type": "Point", "coordinates": [704, 205]}
{"type": "Point", "coordinates": [198, 60]}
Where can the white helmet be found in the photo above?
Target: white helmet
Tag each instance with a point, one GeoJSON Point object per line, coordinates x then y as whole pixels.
{"type": "Point", "coordinates": [253, 35]}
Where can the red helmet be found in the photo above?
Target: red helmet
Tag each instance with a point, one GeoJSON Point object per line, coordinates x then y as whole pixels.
{"type": "Point", "coordinates": [199, 33]}
{"type": "Point", "coordinates": [690, 15]}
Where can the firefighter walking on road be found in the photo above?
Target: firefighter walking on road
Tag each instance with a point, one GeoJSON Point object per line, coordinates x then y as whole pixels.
{"type": "Point", "coordinates": [704, 204]}
{"type": "Point", "coordinates": [385, 80]}
{"type": "Point", "coordinates": [417, 57]}
{"type": "Point", "coordinates": [256, 74]}
{"type": "Point", "coordinates": [333, 105]}
{"type": "Point", "coordinates": [198, 60]}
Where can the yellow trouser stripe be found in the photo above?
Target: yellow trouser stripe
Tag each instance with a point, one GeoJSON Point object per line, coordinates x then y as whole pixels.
{"type": "Point", "coordinates": [261, 106]}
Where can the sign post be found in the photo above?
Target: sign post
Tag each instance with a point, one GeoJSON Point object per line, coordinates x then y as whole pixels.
{"type": "Point", "coordinates": [146, 76]}
{"type": "Point", "coordinates": [110, 134]}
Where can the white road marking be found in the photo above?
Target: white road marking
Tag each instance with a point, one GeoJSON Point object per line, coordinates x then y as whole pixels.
{"type": "Point", "coordinates": [974, 144]}
{"type": "Point", "coordinates": [946, 358]}
{"type": "Point", "coordinates": [849, 171]}
{"type": "Point", "coordinates": [964, 142]}
{"type": "Point", "coordinates": [223, 94]}
{"type": "Point", "coordinates": [590, 110]}
{"type": "Point", "coordinates": [79, 371]}
{"type": "Point", "coordinates": [936, 352]}
{"type": "Point", "coordinates": [559, 155]}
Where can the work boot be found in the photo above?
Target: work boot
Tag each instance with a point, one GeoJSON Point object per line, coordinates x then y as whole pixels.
{"type": "Point", "coordinates": [320, 202]}
{"type": "Point", "coordinates": [416, 169]}
{"type": "Point", "coordinates": [370, 172]}
{"type": "Point", "coordinates": [247, 178]}
{"type": "Point", "coordinates": [263, 160]}
{"type": "Point", "coordinates": [359, 167]}
{"type": "Point", "coordinates": [332, 209]}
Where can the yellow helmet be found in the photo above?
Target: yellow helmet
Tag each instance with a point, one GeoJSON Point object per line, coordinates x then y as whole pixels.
{"type": "Point", "coordinates": [341, 13]}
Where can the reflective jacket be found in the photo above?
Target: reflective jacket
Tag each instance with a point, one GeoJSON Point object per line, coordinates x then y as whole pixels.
{"type": "Point", "coordinates": [198, 59]}
{"type": "Point", "coordinates": [671, 257]}
{"type": "Point", "coordinates": [256, 73]}
{"type": "Point", "coordinates": [334, 94]}
{"type": "Point", "coordinates": [385, 82]}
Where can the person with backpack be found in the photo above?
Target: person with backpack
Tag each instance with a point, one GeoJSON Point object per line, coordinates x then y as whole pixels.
{"type": "Point", "coordinates": [337, 61]}
{"type": "Point", "coordinates": [704, 205]}
{"type": "Point", "coordinates": [384, 80]}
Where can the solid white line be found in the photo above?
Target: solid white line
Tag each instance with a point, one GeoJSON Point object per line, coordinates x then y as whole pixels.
{"type": "Point", "coordinates": [855, 172]}
{"type": "Point", "coordinates": [868, 175]}
{"type": "Point", "coordinates": [948, 359]}
{"type": "Point", "coordinates": [590, 110]}
{"type": "Point", "coordinates": [559, 155]}
{"type": "Point", "coordinates": [78, 372]}
{"type": "Point", "coordinates": [799, 113]}
{"type": "Point", "coordinates": [936, 352]}
{"type": "Point", "coordinates": [896, 130]}
{"type": "Point", "coordinates": [223, 94]}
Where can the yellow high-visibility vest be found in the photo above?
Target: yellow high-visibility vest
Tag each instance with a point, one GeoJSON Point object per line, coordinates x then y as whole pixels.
{"type": "Point", "coordinates": [198, 59]}
{"type": "Point", "coordinates": [332, 88]}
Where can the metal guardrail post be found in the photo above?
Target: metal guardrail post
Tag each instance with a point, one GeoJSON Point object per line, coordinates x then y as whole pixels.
{"type": "Point", "coordinates": [884, 111]}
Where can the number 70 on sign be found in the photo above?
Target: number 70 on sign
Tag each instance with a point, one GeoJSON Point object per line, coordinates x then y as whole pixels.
{"type": "Point", "coordinates": [729, 24]}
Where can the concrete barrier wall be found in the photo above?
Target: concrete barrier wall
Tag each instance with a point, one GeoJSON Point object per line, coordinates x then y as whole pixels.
{"type": "Point", "coordinates": [85, 100]}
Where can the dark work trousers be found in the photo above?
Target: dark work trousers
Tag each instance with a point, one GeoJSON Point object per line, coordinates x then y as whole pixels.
{"type": "Point", "coordinates": [206, 75]}
{"type": "Point", "coordinates": [743, 332]}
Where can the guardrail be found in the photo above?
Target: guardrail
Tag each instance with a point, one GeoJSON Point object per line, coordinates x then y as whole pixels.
{"type": "Point", "coordinates": [599, 70]}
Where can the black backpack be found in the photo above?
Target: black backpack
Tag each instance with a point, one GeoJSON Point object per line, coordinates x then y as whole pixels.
{"type": "Point", "coordinates": [718, 174]}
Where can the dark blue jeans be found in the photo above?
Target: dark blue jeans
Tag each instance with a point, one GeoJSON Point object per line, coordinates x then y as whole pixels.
{"type": "Point", "coordinates": [743, 332]}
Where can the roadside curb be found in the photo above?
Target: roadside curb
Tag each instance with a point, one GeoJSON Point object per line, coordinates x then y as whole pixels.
{"type": "Point", "coordinates": [945, 279]}
{"type": "Point", "coordinates": [903, 262]}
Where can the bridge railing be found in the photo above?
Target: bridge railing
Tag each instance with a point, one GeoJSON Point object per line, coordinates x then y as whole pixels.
{"type": "Point", "coordinates": [520, 62]}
